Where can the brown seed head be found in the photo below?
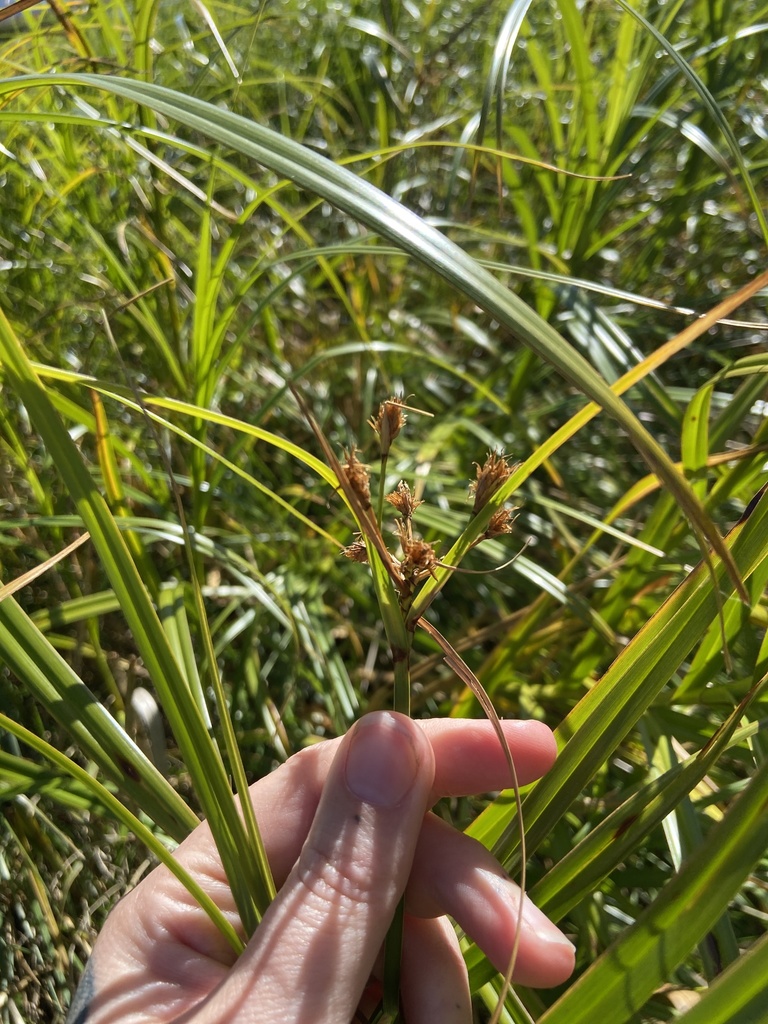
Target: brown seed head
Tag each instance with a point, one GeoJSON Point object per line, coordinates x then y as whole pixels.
{"type": "Point", "coordinates": [357, 551]}
{"type": "Point", "coordinates": [490, 476]}
{"type": "Point", "coordinates": [389, 422]}
{"type": "Point", "coordinates": [358, 477]}
{"type": "Point", "coordinates": [501, 522]}
{"type": "Point", "coordinates": [419, 558]}
{"type": "Point", "coordinates": [403, 500]}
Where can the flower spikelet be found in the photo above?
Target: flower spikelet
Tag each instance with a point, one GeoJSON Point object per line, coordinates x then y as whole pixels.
{"type": "Point", "coordinates": [357, 551]}
{"type": "Point", "coordinates": [403, 501]}
{"type": "Point", "coordinates": [501, 522]}
{"type": "Point", "coordinates": [490, 477]}
{"type": "Point", "coordinates": [358, 477]}
{"type": "Point", "coordinates": [419, 558]}
{"type": "Point", "coordinates": [388, 423]}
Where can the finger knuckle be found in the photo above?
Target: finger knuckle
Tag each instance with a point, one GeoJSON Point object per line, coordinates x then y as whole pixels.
{"type": "Point", "coordinates": [330, 879]}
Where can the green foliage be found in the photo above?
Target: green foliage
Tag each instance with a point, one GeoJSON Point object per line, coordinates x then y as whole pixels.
{"type": "Point", "coordinates": [499, 211]}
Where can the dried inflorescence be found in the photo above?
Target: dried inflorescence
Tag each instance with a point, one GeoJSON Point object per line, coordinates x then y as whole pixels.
{"type": "Point", "coordinates": [419, 558]}
{"type": "Point", "coordinates": [388, 423]}
{"type": "Point", "coordinates": [490, 477]}
{"type": "Point", "coordinates": [403, 501]}
{"type": "Point", "coordinates": [501, 522]}
{"type": "Point", "coordinates": [357, 551]}
{"type": "Point", "coordinates": [358, 476]}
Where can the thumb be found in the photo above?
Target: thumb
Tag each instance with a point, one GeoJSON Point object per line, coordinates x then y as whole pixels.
{"type": "Point", "coordinates": [313, 953]}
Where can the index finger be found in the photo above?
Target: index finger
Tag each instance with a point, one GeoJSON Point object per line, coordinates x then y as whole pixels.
{"type": "Point", "coordinates": [469, 758]}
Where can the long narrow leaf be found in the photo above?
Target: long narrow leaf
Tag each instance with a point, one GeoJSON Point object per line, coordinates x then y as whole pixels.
{"type": "Point", "coordinates": [122, 814]}
{"type": "Point", "coordinates": [200, 752]}
{"type": "Point", "coordinates": [626, 975]}
{"type": "Point", "coordinates": [596, 726]}
{"type": "Point", "coordinates": [738, 995]}
{"type": "Point", "coordinates": [395, 222]}
{"type": "Point", "coordinates": [50, 680]}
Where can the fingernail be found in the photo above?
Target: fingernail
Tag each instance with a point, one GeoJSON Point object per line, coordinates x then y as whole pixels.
{"type": "Point", "coordinates": [536, 921]}
{"type": "Point", "coordinates": [381, 761]}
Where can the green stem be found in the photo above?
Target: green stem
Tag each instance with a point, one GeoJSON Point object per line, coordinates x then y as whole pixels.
{"type": "Point", "coordinates": [393, 952]}
{"type": "Point", "coordinates": [393, 945]}
{"type": "Point", "coordinates": [401, 698]}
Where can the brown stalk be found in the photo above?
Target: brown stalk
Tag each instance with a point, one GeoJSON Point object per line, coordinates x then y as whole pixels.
{"type": "Point", "coordinates": [455, 662]}
{"type": "Point", "coordinates": [28, 577]}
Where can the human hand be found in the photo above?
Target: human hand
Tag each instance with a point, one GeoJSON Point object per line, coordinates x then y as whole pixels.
{"type": "Point", "coordinates": [346, 830]}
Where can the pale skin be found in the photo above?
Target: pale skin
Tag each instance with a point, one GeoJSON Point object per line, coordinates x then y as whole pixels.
{"type": "Point", "coordinates": [347, 829]}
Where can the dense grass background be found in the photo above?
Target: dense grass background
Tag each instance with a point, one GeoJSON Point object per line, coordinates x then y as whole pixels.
{"type": "Point", "coordinates": [161, 289]}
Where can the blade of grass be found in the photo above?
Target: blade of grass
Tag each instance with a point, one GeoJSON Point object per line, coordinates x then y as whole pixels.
{"type": "Point", "coordinates": [457, 664]}
{"type": "Point", "coordinates": [598, 723]}
{"type": "Point", "coordinates": [250, 889]}
{"type": "Point", "coordinates": [49, 678]}
{"type": "Point", "coordinates": [125, 396]}
{"type": "Point", "coordinates": [583, 868]}
{"type": "Point", "coordinates": [713, 109]}
{"type": "Point", "coordinates": [254, 844]}
{"type": "Point", "coordinates": [121, 813]}
{"type": "Point", "coordinates": [545, 450]}
{"type": "Point", "coordinates": [392, 220]}
{"type": "Point", "coordinates": [737, 996]}
{"type": "Point", "coordinates": [495, 79]}
{"type": "Point", "coordinates": [619, 983]}
{"type": "Point", "coordinates": [22, 581]}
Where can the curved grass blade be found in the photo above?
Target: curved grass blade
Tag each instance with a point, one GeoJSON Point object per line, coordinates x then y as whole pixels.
{"type": "Point", "coordinates": [617, 985]}
{"type": "Point", "coordinates": [600, 721]}
{"type": "Point", "coordinates": [616, 837]}
{"type": "Point", "coordinates": [254, 843]}
{"type": "Point", "coordinates": [121, 813]}
{"type": "Point", "coordinates": [33, 660]}
{"type": "Point", "coordinates": [713, 109]}
{"type": "Point", "coordinates": [497, 74]}
{"type": "Point", "coordinates": [124, 396]}
{"type": "Point", "coordinates": [392, 220]}
{"type": "Point", "coordinates": [251, 889]}
{"type": "Point", "coordinates": [457, 664]}
{"type": "Point", "coordinates": [469, 537]}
